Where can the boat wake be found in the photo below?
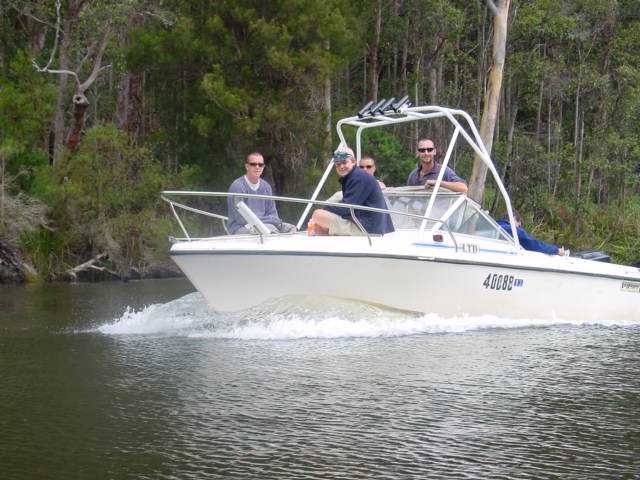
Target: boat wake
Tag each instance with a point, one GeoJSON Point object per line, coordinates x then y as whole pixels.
{"type": "Point", "coordinates": [304, 317]}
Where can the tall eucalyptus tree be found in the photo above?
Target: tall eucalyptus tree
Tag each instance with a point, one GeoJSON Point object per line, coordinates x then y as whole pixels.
{"type": "Point", "coordinates": [500, 11]}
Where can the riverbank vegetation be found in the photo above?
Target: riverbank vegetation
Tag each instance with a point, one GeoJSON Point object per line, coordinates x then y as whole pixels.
{"type": "Point", "coordinates": [105, 103]}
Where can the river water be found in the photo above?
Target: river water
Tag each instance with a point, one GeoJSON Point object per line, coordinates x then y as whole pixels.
{"type": "Point", "coordinates": [141, 381]}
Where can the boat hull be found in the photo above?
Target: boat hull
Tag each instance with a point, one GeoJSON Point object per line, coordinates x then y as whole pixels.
{"type": "Point", "coordinates": [237, 280]}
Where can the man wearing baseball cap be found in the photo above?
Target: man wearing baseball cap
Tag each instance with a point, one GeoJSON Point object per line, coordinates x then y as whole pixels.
{"type": "Point", "coordinates": [358, 188]}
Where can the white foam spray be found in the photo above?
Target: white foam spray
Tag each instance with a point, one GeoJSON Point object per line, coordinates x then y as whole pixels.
{"type": "Point", "coordinates": [304, 317]}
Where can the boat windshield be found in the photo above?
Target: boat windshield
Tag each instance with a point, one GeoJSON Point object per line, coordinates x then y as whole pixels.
{"type": "Point", "coordinates": [459, 213]}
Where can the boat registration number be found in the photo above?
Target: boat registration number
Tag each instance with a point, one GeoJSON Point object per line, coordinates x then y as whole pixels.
{"type": "Point", "coordinates": [496, 281]}
{"type": "Point", "coordinates": [630, 287]}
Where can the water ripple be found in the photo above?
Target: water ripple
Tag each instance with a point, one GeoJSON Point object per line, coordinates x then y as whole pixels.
{"type": "Point", "coordinates": [308, 389]}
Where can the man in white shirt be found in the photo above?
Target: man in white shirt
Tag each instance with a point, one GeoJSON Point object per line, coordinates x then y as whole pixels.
{"type": "Point", "coordinates": [264, 209]}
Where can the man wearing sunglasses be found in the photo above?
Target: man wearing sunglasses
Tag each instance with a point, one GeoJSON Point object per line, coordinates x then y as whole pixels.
{"type": "Point", "coordinates": [358, 188]}
{"type": "Point", "coordinates": [368, 164]}
{"type": "Point", "coordinates": [427, 171]}
{"type": "Point", "coordinates": [264, 209]}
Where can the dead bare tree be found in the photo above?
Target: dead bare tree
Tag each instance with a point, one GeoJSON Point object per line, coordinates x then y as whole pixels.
{"type": "Point", "coordinates": [79, 100]}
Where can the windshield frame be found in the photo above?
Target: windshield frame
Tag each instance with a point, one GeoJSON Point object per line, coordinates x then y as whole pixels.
{"type": "Point", "coordinates": [457, 201]}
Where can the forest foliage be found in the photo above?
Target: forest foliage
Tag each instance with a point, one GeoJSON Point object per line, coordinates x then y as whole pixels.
{"type": "Point", "coordinates": [174, 93]}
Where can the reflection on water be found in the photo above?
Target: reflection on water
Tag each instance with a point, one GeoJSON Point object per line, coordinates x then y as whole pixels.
{"type": "Point", "coordinates": [142, 380]}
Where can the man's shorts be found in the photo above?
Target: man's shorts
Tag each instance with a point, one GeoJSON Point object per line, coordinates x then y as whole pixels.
{"type": "Point", "coordinates": [342, 226]}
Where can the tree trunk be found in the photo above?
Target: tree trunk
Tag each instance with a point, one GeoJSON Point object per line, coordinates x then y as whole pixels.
{"type": "Point", "coordinates": [2, 166]}
{"type": "Point", "coordinates": [508, 154]}
{"type": "Point", "coordinates": [80, 101]}
{"type": "Point", "coordinates": [496, 127]}
{"type": "Point", "coordinates": [375, 47]}
{"type": "Point", "coordinates": [580, 156]}
{"type": "Point", "coordinates": [433, 97]}
{"type": "Point", "coordinates": [327, 111]}
{"type": "Point", "coordinates": [481, 59]}
{"type": "Point", "coordinates": [550, 163]}
{"type": "Point", "coordinates": [577, 146]}
{"type": "Point", "coordinates": [58, 118]}
{"type": "Point", "coordinates": [487, 125]}
{"type": "Point", "coordinates": [396, 12]}
{"type": "Point", "coordinates": [416, 93]}
{"type": "Point", "coordinates": [456, 79]}
{"type": "Point", "coordinates": [559, 146]}
{"type": "Point", "coordinates": [405, 56]}
{"type": "Point", "coordinates": [539, 113]}
{"type": "Point", "coordinates": [80, 105]}
{"type": "Point", "coordinates": [364, 80]}
{"type": "Point", "coordinates": [36, 35]}
{"type": "Point", "coordinates": [510, 133]}
{"type": "Point", "coordinates": [441, 126]}
{"type": "Point", "coordinates": [129, 104]}
{"type": "Point", "coordinates": [416, 131]}
{"type": "Point", "coordinates": [592, 172]}
{"type": "Point", "coordinates": [347, 83]}
{"type": "Point", "coordinates": [540, 100]}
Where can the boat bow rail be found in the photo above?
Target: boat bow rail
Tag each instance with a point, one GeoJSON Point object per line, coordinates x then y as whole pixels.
{"type": "Point", "coordinates": [239, 196]}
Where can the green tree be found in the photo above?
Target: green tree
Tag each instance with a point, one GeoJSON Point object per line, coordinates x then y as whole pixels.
{"type": "Point", "coordinates": [255, 73]}
{"type": "Point", "coordinates": [25, 106]}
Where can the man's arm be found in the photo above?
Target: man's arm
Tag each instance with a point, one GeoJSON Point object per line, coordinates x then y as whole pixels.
{"type": "Point", "coordinates": [453, 186]}
{"type": "Point", "coordinates": [359, 192]}
{"type": "Point", "coordinates": [451, 181]}
{"type": "Point", "coordinates": [235, 221]}
{"type": "Point", "coordinates": [335, 198]}
{"type": "Point", "coordinates": [356, 193]}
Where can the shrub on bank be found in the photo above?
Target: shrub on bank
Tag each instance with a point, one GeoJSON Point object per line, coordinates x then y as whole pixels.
{"type": "Point", "coordinates": [104, 198]}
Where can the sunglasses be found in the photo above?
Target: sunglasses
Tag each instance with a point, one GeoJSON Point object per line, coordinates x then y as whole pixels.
{"type": "Point", "coordinates": [368, 167]}
{"type": "Point", "coordinates": [428, 149]}
{"type": "Point", "coordinates": [256, 164]}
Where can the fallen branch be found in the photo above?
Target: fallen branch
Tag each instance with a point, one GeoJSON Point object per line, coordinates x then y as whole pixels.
{"type": "Point", "coordinates": [73, 272]}
{"type": "Point", "coordinates": [103, 270]}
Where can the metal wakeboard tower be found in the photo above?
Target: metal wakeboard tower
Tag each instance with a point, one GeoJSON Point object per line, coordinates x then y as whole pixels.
{"type": "Point", "coordinates": [391, 112]}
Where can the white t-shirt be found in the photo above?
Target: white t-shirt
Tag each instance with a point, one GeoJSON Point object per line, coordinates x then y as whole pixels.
{"type": "Point", "coordinates": [252, 186]}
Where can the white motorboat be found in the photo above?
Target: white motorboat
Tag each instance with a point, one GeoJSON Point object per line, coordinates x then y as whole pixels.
{"type": "Point", "coordinates": [446, 256]}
